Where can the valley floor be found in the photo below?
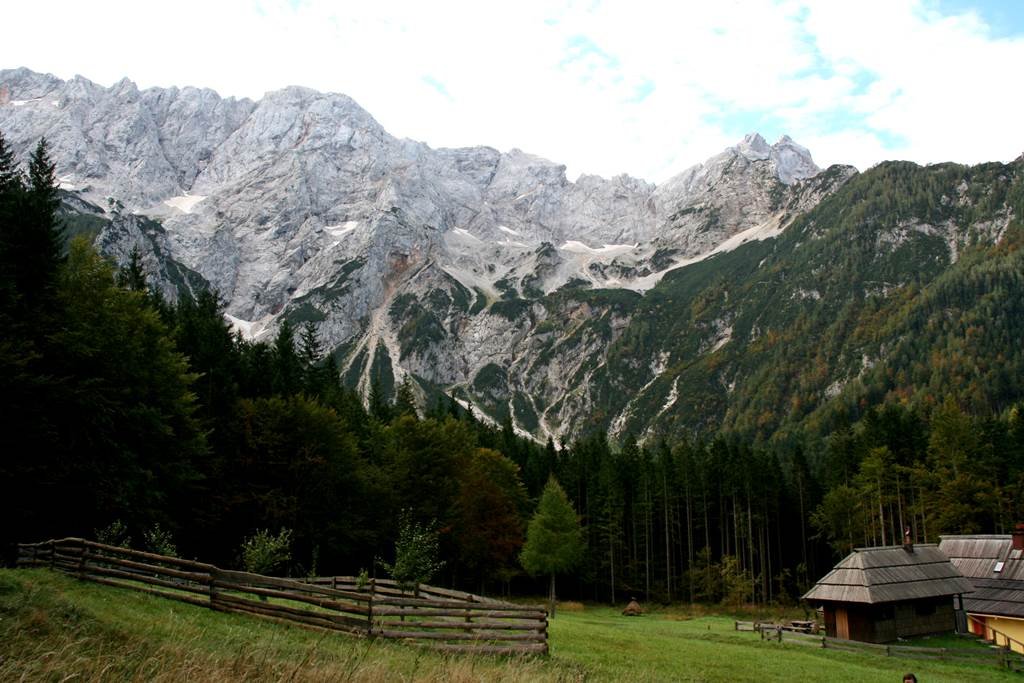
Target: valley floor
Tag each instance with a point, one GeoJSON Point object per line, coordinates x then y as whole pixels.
{"type": "Point", "coordinates": [55, 628]}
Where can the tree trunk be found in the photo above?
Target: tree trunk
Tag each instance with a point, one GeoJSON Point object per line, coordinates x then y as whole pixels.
{"type": "Point", "coordinates": [899, 503]}
{"type": "Point", "coordinates": [551, 597]}
{"type": "Point", "coordinates": [647, 541]}
{"type": "Point", "coordinates": [803, 525]}
{"type": "Point", "coordinates": [611, 564]}
{"type": "Point", "coordinates": [750, 548]}
{"type": "Point", "coordinates": [881, 512]}
{"type": "Point", "coordinates": [668, 539]}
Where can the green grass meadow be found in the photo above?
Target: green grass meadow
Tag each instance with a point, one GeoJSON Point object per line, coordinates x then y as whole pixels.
{"type": "Point", "coordinates": [54, 628]}
{"type": "Point", "coordinates": [671, 646]}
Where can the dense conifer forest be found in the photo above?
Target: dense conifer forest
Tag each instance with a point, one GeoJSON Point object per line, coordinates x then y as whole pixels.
{"type": "Point", "coordinates": [119, 409]}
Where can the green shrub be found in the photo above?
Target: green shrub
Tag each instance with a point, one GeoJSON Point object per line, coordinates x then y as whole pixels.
{"type": "Point", "coordinates": [264, 553]}
{"type": "Point", "coordinates": [115, 533]}
{"type": "Point", "coordinates": [159, 540]}
{"type": "Point", "coordinates": [416, 552]}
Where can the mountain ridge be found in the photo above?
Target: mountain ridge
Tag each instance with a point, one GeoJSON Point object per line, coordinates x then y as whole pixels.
{"type": "Point", "coordinates": [304, 162]}
{"type": "Point", "coordinates": [484, 274]}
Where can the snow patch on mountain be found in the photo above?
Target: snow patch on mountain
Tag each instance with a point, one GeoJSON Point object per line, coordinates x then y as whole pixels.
{"type": "Point", "coordinates": [606, 250]}
{"type": "Point", "coordinates": [184, 203]}
{"type": "Point", "coordinates": [673, 396]}
{"type": "Point", "coordinates": [249, 329]}
{"type": "Point", "coordinates": [462, 232]}
{"type": "Point", "coordinates": [342, 229]}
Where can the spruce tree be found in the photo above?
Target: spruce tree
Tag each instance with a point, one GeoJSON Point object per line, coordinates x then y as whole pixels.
{"type": "Point", "coordinates": [318, 371]}
{"type": "Point", "coordinates": [405, 400]}
{"type": "Point", "coordinates": [43, 202]}
{"type": "Point", "coordinates": [10, 174]}
{"type": "Point", "coordinates": [377, 402]}
{"type": "Point", "coordinates": [554, 539]}
{"type": "Point", "coordinates": [12, 189]}
{"type": "Point", "coordinates": [287, 366]}
{"type": "Point", "coordinates": [131, 275]}
{"type": "Point", "coordinates": [31, 236]}
{"type": "Point", "coordinates": [310, 348]}
{"type": "Point", "coordinates": [119, 438]}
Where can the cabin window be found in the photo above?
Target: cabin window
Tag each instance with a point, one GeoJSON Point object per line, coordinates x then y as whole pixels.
{"type": "Point", "coordinates": [999, 567]}
{"type": "Point", "coordinates": [886, 613]}
{"type": "Point", "coordinates": [925, 609]}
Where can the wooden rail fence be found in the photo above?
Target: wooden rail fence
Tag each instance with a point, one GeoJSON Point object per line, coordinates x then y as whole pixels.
{"type": "Point", "coordinates": [447, 620]}
{"type": "Point", "coordinates": [999, 657]}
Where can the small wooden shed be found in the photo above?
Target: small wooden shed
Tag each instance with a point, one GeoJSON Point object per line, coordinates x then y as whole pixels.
{"type": "Point", "coordinates": [877, 595]}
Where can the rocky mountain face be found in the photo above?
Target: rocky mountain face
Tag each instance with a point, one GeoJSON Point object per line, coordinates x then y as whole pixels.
{"type": "Point", "coordinates": [484, 274]}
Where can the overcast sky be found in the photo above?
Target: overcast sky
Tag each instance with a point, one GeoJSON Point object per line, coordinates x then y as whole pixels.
{"type": "Point", "coordinates": [645, 88]}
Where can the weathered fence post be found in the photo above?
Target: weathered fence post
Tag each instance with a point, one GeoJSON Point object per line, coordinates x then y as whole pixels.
{"type": "Point", "coordinates": [81, 562]}
{"type": "Point", "coordinates": [547, 639]}
{"type": "Point", "coordinates": [213, 588]}
{"type": "Point", "coordinates": [369, 610]}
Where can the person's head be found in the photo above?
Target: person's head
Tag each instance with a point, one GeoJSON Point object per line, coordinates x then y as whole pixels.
{"type": "Point", "coordinates": [909, 678]}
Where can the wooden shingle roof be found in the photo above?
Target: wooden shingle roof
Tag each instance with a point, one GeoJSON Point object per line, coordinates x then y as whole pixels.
{"type": "Point", "coordinates": [999, 593]}
{"type": "Point", "coordinates": [890, 574]}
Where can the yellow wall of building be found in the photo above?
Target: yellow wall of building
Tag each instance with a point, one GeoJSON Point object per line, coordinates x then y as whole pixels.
{"type": "Point", "coordinates": [1014, 628]}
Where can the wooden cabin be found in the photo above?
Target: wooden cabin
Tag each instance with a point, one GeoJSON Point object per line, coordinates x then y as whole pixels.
{"type": "Point", "coordinates": [877, 595]}
{"type": "Point", "coordinates": [994, 564]}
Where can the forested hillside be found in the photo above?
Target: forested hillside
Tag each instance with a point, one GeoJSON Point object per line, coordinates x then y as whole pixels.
{"type": "Point", "coordinates": [859, 373]}
{"type": "Point", "coordinates": [904, 285]}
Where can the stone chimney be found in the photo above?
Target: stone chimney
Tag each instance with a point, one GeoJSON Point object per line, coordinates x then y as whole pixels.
{"type": "Point", "coordinates": [1018, 537]}
{"type": "Point", "coordinates": [908, 544]}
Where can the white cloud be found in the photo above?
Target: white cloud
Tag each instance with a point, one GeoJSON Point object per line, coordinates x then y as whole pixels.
{"type": "Point", "coordinates": [945, 88]}
{"type": "Point", "coordinates": [561, 79]}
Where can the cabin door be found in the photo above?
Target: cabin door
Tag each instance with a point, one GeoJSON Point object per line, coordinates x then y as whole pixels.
{"type": "Point", "coordinates": [842, 624]}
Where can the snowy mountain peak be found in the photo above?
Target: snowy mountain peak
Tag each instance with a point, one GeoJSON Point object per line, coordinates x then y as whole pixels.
{"type": "Point", "coordinates": [753, 147]}
{"type": "Point", "coordinates": [793, 162]}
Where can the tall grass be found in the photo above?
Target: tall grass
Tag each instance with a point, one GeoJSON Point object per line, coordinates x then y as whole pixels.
{"type": "Point", "coordinates": [54, 628]}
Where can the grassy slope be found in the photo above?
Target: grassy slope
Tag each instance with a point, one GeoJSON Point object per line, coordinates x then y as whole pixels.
{"type": "Point", "coordinates": [52, 626]}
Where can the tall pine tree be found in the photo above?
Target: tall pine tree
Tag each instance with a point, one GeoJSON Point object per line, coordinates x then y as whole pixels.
{"type": "Point", "coordinates": [554, 540]}
{"type": "Point", "coordinates": [12, 191]}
